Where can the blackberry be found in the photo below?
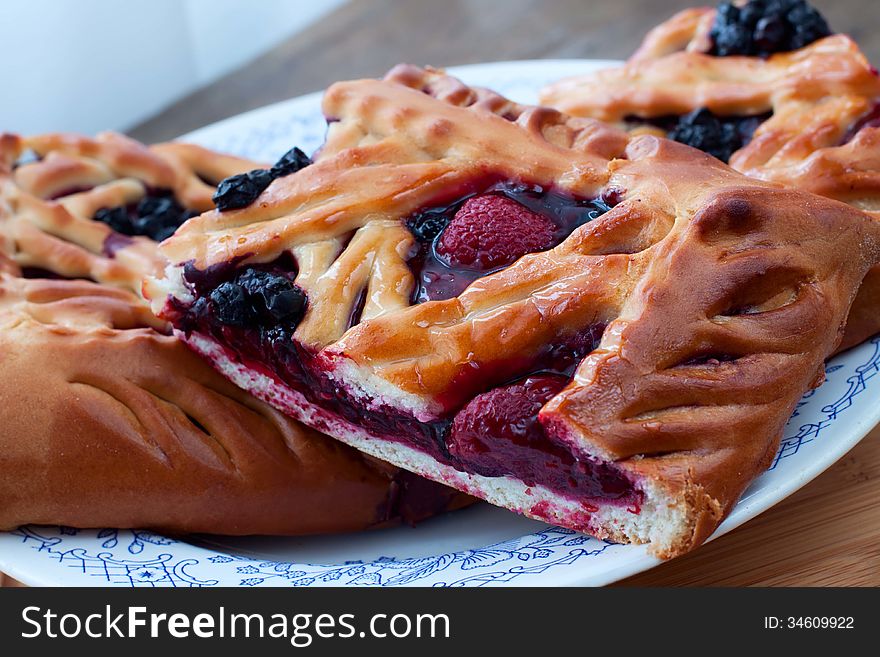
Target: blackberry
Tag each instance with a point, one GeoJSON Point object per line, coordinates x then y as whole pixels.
{"type": "Point", "coordinates": [809, 25]}
{"type": "Point", "coordinates": [156, 216]}
{"type": "Point", "coordinates": [161, 232]}
{"type": "Point", "coordinates": [257, 297]}
{"type": "Point", "coordinates": [287, 304]}
{"type": "Point", "coordinates": [718, 136]}
{"type": "Point", "coordinates": [241, 190]}
{"type": "Point", "coordinates": [763, 27]}
{"type": "Point", "coordinates": [729, 34]}
{"type": "Point", "coordinates": [274, 297]}
{"type": "Point", "coordinates": [769, 31]}
{"type": "Point", "coordinates": [156, 205]}
{"type": "Point", "coordinates": [117, 219]}
{"type": "Point", "coordinates": [159, 216]}
{"type": "Point", "coordinates": [231, 304]}
{"type": "Point", "coordinates": [291, 162]}
{"type": "Point", "coordinates": [427, 226]}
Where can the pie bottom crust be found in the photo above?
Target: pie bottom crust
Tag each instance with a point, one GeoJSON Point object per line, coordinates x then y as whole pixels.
{"type": "Point", "coordinates": [670, 521]}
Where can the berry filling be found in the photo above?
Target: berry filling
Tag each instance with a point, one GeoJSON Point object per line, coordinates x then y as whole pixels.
{"type": "Point", "coordinates": [763, 27]}
{"type": "Point", "coordinates": [156, 216]}
{"type": "Point", "coordinates": [719, 136]}
{"type": "Point", "coordinates": [499, 431]}
{"type": "Point", "coordinates": [241, 190]}
{"type": "Point", "coordinates": [39, 272]}
{"type": "Point", "coordinates": [482, 233]}
{"type": "Point", "coordinates": [257, 297]}
{"type": "Point", "coordinates": [869, 120]}
{"type": "Point", "coordinates": [491, 426]}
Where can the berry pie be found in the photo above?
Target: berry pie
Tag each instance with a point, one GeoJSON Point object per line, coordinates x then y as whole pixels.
{"type": "Point", "coordinates": [110, 421]}
{"type": "Point", "coordinates": [598, 330]}
{"type": "Point", "coordinates": [764, 86]}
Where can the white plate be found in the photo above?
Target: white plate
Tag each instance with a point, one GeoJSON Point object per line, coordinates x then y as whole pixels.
{"type": "Point", "coordinates": [481, 546]}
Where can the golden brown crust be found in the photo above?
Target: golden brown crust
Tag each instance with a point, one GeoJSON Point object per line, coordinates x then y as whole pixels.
{"type": "Point", "coordinates": [687, 30]}
{"type": "Point", "coordinates": [723, 295]}
{"type": "Point", "coordinates": [109, 423]}
{"type": "Point", "coordinates": [49, 203]}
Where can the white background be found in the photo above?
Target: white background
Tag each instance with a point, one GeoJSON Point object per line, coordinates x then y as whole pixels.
{"type": "Point", "coordinates": [91, 65]}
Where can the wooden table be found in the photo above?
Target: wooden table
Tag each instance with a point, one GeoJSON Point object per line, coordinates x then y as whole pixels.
{"type": "Point", "coordinates": [365, 38]}
{"type": "Point", "coordinates": [826, 534]}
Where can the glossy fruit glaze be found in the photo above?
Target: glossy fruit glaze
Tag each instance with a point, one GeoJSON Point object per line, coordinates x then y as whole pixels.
{"type": "Point", "coordinates": [545, 218]}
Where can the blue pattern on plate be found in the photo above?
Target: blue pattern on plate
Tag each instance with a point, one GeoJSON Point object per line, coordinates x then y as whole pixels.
{"type": "Point", "coordinates": [807, 433]}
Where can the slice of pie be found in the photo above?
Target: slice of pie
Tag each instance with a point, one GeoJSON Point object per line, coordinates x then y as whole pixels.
{"type": "Point", "coordinates": [765, 86]}
{"type": "Point", "coordinates": [596, 330]}
{"type": "Point", "coordinates": [107, 419]}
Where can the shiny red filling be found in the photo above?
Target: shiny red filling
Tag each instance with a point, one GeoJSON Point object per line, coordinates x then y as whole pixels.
{"type": "Point", "coordinates": [498, 432]}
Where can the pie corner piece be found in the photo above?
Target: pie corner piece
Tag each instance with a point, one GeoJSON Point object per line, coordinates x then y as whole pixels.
{"type": "Point", "coordinates": [602, 331]}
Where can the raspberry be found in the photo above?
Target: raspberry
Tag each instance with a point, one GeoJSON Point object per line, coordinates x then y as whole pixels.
{"type": "Point", "coordinates": [504, 415]}
{"type": "Point", "coordinates": [492, 231]}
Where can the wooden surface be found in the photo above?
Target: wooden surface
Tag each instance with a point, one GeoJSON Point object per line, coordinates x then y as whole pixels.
{"type": "Point", "coordinates": [828, 533]}
{"type": "Point", "coordinates": [365, 38]}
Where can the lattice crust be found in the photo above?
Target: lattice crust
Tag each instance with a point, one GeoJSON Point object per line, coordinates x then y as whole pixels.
{"type": "Point", "coordinates": [391, 153]}
{"type": "Point", "coordinates": [47, 204]}
{"type": "Point", "coordinates": [109, 423]}
{"type": "Point", "coordinates": [816, 94]}
{"type": "Point", "coordinates": [722, 295]}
